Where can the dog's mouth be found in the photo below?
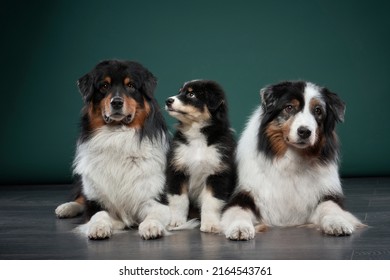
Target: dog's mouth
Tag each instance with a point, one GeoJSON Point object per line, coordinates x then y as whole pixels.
{"type": "Point", "coordinates": [300, 144]}
{"type": "Point", "coordinates": [172, 110]}
{"type": "Point", "coordinates": [119, 118]}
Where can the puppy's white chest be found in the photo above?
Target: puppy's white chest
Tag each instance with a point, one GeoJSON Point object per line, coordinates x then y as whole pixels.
{"type": "Point", "coordinates": [197, 157]}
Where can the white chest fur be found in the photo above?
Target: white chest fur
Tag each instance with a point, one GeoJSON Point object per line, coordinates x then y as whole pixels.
{"type": "Point", "coordinates": [120, 171]}
{"type": "Point", "coordinates": [198, 159]}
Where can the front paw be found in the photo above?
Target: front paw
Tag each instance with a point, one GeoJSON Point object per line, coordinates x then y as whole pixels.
{"type": "Point", "coordinates": [240, 231]}
{"type": "Point", "coordinates": [69, 210]}
{"type": "Point", "coordinates": [210, 227]}
{"type": "Point", "coordinates": [99, 230]}
{"type": "Point", "coordinates": [177, 222]}
{"type": "Point", "coordinates": [151, 229]}
{"type": "Point", "coordinates": [337, 226]}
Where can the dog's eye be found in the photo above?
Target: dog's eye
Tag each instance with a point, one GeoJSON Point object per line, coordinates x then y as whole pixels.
{"type": "Point", "coordinates": [289, 108]}
{"type": "Point", "coordinates": [318, 111]}
{"type": "Point", "coordinates": [191, 95]}
{"type": "Point", "coordinates": [105, 86]}
{"type": "Point", "coordinates": [130, 85]}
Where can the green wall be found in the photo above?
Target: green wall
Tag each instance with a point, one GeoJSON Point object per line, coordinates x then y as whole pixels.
{"type": "Point", "coordinates": [244, 45]}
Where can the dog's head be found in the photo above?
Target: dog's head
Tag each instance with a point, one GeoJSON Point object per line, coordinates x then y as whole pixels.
{"type": "Point", "coordinates": [117, 93]}
{"type": "Point", "coordinates": [300, 115]}
{"type": "Point", "coordinates": [198, 101]}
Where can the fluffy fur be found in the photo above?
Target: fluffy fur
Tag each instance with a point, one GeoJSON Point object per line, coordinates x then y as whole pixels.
{"type": "Point", "coordinates": [288, 164]}
{"type": "Point", "coordinates": [121, 153]}
{"type": "Point", "coordinates": [201, 172]}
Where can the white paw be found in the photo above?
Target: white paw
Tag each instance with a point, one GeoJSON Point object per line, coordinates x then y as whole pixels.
{"type": "Point", "coordinates": [99, 230]}
{"type": "Point", "coordinates": [69, 210]}
{"type": "Point", "coordinates": [240, 231]}
{"type": "Point", "coordinates": [151, 229]}
{"type": "Point", "coordinates": [177, 222]}
{"type": "Point", "coordinates": [210, 227]}
{"type": "Point", "coordinates": [336, 225]}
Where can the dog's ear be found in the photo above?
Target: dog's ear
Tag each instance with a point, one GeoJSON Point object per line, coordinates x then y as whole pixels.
{"type": "Point", "coordinates": [335, 106]}
{"type": "Point", "coordinates": [335, 109]}
{"type": "Point", "coordinates": [215, 102]}
{"type": "Point", "coordinates": [215, 96]}
{"type": "Point", "coordinates": [149, 84]}
{"type": "Point", "coordinates": [217, 107]}
{"type": "Point", "coordinates": [267, 98]}
{"type": "Point", "coordinates": [85, 85]}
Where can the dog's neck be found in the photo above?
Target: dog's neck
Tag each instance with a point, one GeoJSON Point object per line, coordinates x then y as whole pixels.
{"type": "Point", "coordinates": [192, 127]}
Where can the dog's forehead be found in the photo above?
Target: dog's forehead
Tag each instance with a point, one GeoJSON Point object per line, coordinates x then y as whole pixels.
{"type": "Point", "coordinates": [116, 72]}
{"type": "Point", "coordinates": [313, 94]}
{"type": "Point", "coordinates": [312, 91]}
{"type": "Point", "coordinates": [186, 88]}
{"type": "Point", "coordinates": [113, 76]}
{"type": "Point", "coordinates": [190, 85]}
{"type": "Point", "coordinates": [288, 88]}
{"type": "Point", "coordinates": [190, 82]}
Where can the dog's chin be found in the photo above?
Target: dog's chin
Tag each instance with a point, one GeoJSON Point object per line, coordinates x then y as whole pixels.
{"type": "Point", "coordinates": [299, 144]}
{"type": "Point", "coordinates": [118, 118]}
{"type": "Point", "coordinates": [174, 113]}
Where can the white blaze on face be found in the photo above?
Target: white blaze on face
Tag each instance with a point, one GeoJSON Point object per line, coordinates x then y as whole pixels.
{"type": "Point", "coordinates": [304, 126]}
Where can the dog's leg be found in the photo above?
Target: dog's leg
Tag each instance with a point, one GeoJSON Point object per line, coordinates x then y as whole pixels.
{"type": "Point", "coordinates": [101, 226]}
{"type": "Point", "coordinates": [178, 200]}
{"type": "Point", "coordinates": [71, 209]}
{"type": "Point", "coordinates": [210, 212]}
{"type": "Point", "coordinates": [178, 206]}
{"type": "Point", "coordinates": [333, 220]}
{"type": "Point", "coordinates": [240, 216]}
{"type": "Point", "coordinates": [155, 216]}
{"type": "Point", "coordinates": [77, 204]}
{"type": "Point", "coordinates": [238, 223]}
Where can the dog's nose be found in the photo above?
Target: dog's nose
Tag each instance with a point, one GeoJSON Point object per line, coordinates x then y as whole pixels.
{"type": "Point", "coordinates": [117, 102]}
{"type": "Point", "coordinates": [169, 101]}
{"type": "Point", "coordinates": [304, 132]}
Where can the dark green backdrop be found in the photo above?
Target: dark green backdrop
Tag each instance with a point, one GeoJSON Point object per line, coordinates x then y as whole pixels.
{"type": "Point", "coordinates": [244, 45]}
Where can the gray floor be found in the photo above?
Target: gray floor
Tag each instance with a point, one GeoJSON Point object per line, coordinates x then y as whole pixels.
{"type": "Point", "coordinates": [30, 230]}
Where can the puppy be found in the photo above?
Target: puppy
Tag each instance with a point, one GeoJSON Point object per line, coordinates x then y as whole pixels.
{"type": "Point", "coordinates": [287, 162]}
{"type": "Point", "coordinates": [121, 153]}
{"type": "Point", "coordinates": [201, 171]}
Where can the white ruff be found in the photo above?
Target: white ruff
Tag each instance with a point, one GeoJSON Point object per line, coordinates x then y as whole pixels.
{"type": "Point", "coordinates": [122, 172]}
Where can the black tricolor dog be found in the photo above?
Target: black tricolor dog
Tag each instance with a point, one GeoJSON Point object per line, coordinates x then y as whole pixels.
{"type": "Point", "coordinates": [201, 171]}
{"type": "Point", "coordinates": [121, 153]}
